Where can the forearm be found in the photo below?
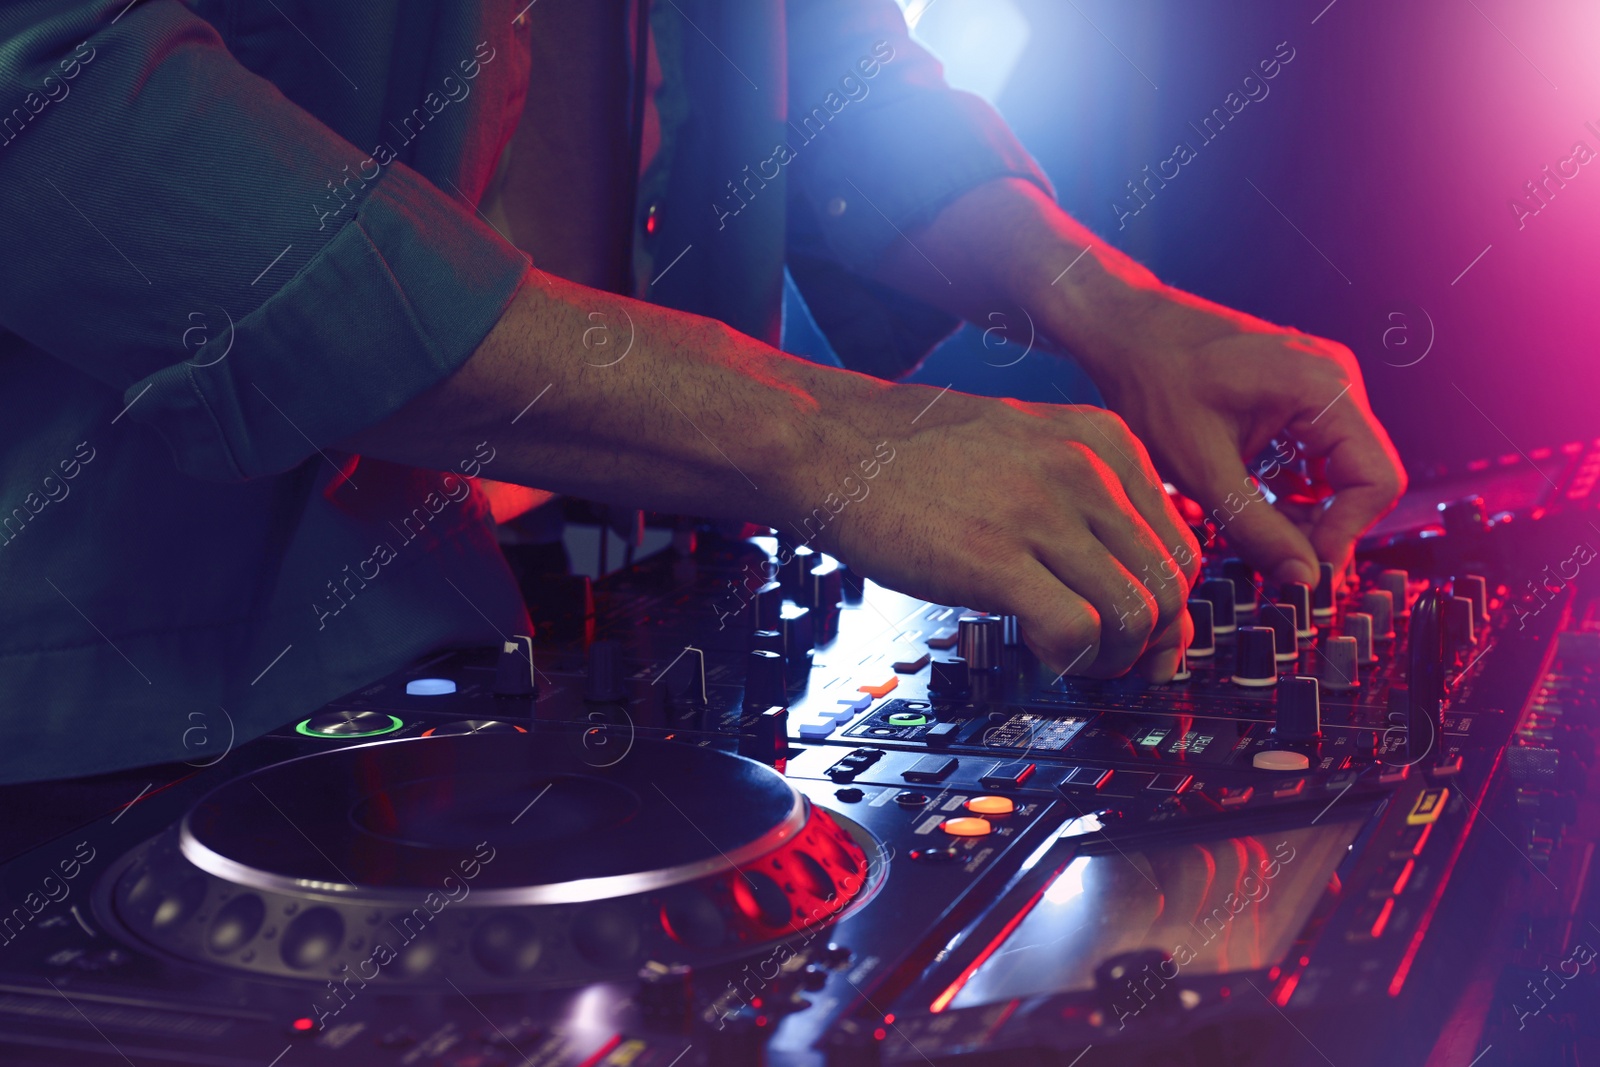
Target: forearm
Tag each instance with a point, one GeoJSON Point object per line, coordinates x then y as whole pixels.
{"type": "Point", "coordinates": [1006, 245]}
{"type": "Point", "coordinates": [638, 405]}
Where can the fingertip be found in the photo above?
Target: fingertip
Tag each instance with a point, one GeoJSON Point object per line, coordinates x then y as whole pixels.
{"type": "Point", "coordinates": [1295, 570]}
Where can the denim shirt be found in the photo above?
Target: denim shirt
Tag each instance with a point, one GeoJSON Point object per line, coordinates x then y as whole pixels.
{"type": "Point", "coordinates": [236, 232]}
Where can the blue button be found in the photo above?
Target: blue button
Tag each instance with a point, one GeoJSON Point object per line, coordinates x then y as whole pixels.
{"type": "Point", "coordinates": [429, 687]}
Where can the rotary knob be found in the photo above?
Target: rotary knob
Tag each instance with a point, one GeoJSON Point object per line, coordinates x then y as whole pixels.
{"type": "Point", "coordinates": [1202, 614]}
{"type": "Point", "coordinates": [1219, 591]}
{"type": "Point", "coordinates": [1379, 603]}
{"type": "Point", "coordinates": [769, 606]}
{"type": "Point", "coordinates": [1322, 604]}
{"type": "Point", "coordinates": [1299, 595]}
{"type": "Point", "coordinates": [1245, 585]}
{"type": "Point", "coordinates": [1358, 624]}
{"type": "Point", "coordinates": [1396, 583]}
{"type": "Point", "coordinates": [1475, 588]}
{"type": "Point", "coordinates": [764, 679]}
{"type": "Point", "coordinates": [1299, 715]}
{"type": "Point", "coordinates": [1256, 662]}
{"type": "Point", "coordinates": [1339, 670]}
{"type": "Point", "coordinates": [1280, 619]}
{"type": "Point", "coordinates": [513, 669]}
{"type": "Point", "coordinates": [948, 679]}
{"type": "Point", "coordinates": [978, 641]}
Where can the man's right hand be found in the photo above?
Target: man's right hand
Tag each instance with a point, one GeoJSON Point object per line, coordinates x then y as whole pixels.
{"type": "Point", "coordinates": [1051, 513]}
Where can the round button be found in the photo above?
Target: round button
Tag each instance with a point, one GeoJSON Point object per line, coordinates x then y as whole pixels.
{"type": "Point", "coordinates": [349, 724]}
{"type": "Point", "coordinates": [907, 718]}
{"type": "Point", "coordinates": [991, 805]}
{"type": "Point", "coordinates": [911, 800]}
{"type": "Point", "coordinates": [1279, 759]}
{"type": "Point", "coordinates": [849, 795]}
{"type": "Point", "coordinates": [966, 826]}
{"type": "Point", "coordinates": [429, 687]}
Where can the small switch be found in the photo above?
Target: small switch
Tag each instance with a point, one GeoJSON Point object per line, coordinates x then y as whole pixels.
{"type": "Point", "coordinates": [1087, 777]}
{"type": "Point", "coordinates": [941, 733]}
{"type": "Point", "coordinates": [931, 769]}
{"type": "Point", "coordinates": [943, 641]}
{"type": "Point", "coordinates": [1007, 775]}
{"type": "Point", "coordinates": [1170, 783]}
{"type": "Point", "coordinates": [911, 666]}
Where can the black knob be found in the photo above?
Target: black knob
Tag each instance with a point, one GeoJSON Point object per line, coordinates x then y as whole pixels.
{"type": "Point", "coordinates": [769, 606]}
{"type": "Point", "coordinates": [795, 572]}
{"type": "Point", "coordinates": [1427, 657]}
{"type": "Point", "coordinates": [826, 587]}
{"type": "Point", "coordinates": [763, 681]}
{"type": "Point", "coordinates": [605, 682]}
{"type": "Point", "coordinates": [1299, 595]}
{"type": "Point", "coordinates": [1460, 618]}
{"type": "Point", "coordinates": [513, 670]}
{"type": "Point", "coordinates": [1465, 518]}
{"type": "Point", "coordinates": [978, 641]}
{"type": "Point", "coordinates": [799, 637]}
{"type": "Point", "coordinates": [1322, 596]}
{"type": "Point", "coordinates": [766, 736]}
{"type": "Point", "coordinates": [768, 640]}
{"type": "Point", "coordinates": [1299, 715]}
{"type": "Point", "coordinates": [1245, 584]}
{"type": "Point", "coordinates": [948, 678]}
{"type": "Point", "coordinates": [1202, 612]}
{"type": "Point", "coordinates": [1475, 588]}
{"type": "Point", "coordinates": [1256, 662]}
{"type": "Point", "coordinates": [1280, 617]}
{"type": "Point", "coordinates": [1219, 591]}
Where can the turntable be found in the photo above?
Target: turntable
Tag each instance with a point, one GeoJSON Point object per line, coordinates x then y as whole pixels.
{"type": "Point", "coordinates": [487, 862]}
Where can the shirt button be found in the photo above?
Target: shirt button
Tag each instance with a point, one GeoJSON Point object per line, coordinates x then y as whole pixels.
{"type": "Point", "coordinates": [836, 206]}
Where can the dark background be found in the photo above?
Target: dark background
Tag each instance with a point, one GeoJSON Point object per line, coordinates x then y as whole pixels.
{"type": "Point", "coordinates": [1394, 141]}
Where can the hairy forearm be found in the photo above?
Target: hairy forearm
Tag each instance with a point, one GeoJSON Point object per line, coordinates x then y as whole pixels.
{"type": "Point", "coordinates": [1006, 245]}
{"type": "Point", "coordinates": [643, 406]}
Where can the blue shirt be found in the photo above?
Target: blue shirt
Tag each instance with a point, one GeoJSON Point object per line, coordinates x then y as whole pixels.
{"type": "Point", "coordinates": [237, 232]}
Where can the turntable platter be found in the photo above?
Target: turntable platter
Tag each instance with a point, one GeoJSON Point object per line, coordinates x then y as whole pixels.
{"type": "Point", "coordinates": [507, 858]}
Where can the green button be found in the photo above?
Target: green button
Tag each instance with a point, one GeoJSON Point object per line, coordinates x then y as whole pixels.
{"type": "Point", "coordinates": [907, 718]}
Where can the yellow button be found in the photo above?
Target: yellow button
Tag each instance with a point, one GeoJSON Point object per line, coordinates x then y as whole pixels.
{"type": "Point", "coordinates": [966, 826]}
{"type": "Point", "coordinates": [1428, 808]}
{"type": "Point", "coordinates": [991, 805]}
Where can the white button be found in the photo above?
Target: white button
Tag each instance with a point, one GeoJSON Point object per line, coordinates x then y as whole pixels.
{"type": "Point", "coordinates": [429, 687]}
{"type": "Point", "coordinates": [1278, 759]}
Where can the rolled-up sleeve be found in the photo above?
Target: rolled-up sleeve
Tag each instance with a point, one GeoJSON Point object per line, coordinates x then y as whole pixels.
{"type": "Point", "coordinates": [255, 285]}
{"type": "Point", "coordinates": [887, 145]}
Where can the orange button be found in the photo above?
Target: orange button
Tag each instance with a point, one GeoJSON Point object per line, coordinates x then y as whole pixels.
{"type": "Point", "coordinates": [991, 805]}
{"type": "Point", "coordinates": [966, 826]}
{"type": "Point", "coordinates": [881, 689]}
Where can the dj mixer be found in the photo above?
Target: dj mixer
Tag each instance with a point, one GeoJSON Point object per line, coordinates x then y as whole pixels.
{"type": "Point", "coordinates": [735, 805]}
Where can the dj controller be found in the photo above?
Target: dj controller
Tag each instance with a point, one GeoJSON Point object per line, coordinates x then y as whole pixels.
{"type": "Point", "coordinates": [734, 805]}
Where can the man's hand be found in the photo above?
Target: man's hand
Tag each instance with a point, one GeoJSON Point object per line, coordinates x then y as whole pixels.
{"type": "Point", "coordinates": [1205, 387]}
{"type": "Point", "coordinates": [1050, 513]}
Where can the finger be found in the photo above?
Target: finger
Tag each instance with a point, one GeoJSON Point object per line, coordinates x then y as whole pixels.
{"type": "Point", "coordinates": [1235, 504]}
{"type": "Point", "coordinates": [1124, 533]}
{"type": "Point", "coordinates": [1364, 470]}
{"type": "Point", "coordinates": [1058, 626]}
{"type": "Point", "coordinates": [1127, 611]}
{"type": "Point", "coordinates": [1160, 661]}
{"type": "Point", "coordinates": [1125, 454]}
